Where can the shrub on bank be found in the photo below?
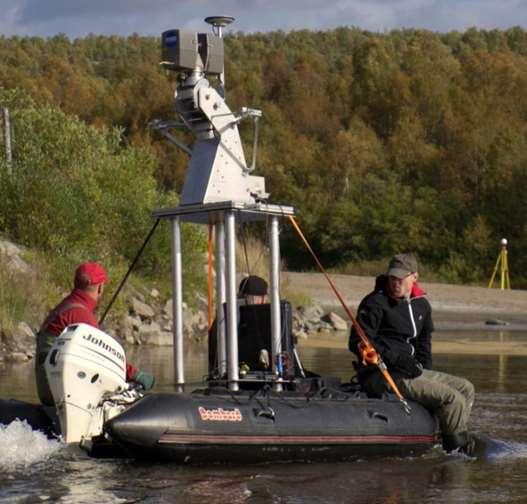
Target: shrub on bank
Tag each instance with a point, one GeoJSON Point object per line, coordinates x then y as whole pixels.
{"type": "Point", "coordinates": [78, 193]}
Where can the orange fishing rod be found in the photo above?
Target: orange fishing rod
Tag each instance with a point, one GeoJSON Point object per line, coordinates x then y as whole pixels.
{"type": "Point", "coordinates": [369, 354]}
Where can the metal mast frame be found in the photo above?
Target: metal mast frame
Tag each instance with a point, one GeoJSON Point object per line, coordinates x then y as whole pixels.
{"type": "Point", "coordinates": [224, 216]}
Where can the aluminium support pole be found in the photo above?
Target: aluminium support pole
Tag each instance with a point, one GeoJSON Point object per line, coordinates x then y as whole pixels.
{"type": "Point", "coordinates": [177, 306]}
{"type": "Point", "coordinates": [220, 298]}
{"type": "Point", "coordinates": [275, 302]}
{"type": "Point", "coordinates": [7, 140]}
{"type": "Point", "coordinates": [232, 308]}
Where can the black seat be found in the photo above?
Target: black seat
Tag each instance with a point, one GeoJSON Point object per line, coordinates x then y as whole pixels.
{"type": "Point", "coordinates": [254, 333]}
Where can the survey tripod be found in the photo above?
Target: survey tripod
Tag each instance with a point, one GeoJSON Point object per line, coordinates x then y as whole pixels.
{"type": "Point", "coordinates": [503, 265]}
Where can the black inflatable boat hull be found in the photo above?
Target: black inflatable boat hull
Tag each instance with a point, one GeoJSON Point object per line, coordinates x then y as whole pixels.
{"type": "Point", "coordinates": [201, 428]}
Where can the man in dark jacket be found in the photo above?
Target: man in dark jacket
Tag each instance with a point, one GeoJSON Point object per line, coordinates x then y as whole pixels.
{"type": "Point", "coordinates": [397, 319]}
{"type": "Point", "coordinates": [78, 307]}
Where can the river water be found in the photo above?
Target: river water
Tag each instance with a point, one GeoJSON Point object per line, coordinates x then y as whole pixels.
{"type": "Point", "coordinates": [34, 469]}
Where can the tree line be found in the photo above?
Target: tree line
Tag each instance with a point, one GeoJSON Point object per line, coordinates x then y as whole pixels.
{"type": "Point", "coordinates": [407, 140]}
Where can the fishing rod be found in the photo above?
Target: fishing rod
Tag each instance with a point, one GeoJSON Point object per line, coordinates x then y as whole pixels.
{"type": "Point", "coordinates": [136, 258]}
{"type": "Point", "coordinates": [369, 354]}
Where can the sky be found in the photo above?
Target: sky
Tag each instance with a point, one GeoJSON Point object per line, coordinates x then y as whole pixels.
{"type": "Point", "coordinates": [77, 18]}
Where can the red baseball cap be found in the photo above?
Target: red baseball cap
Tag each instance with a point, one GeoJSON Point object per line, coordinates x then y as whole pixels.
{"type": "Point", "coordinates": [91, 271]}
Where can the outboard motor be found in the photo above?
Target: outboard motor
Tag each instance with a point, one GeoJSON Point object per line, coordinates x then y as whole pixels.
{"type": "Point", "coordinates": [84, 366]}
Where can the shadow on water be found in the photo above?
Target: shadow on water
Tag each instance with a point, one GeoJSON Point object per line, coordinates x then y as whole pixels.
{"type": "Point", "coordinates": [35, 469]}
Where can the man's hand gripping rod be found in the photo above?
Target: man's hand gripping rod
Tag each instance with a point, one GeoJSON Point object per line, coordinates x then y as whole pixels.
{"type": "Point", "coordinates": [369, 354]}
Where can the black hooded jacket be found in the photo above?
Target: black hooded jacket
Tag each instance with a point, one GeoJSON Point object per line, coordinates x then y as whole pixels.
{"type": "Point", "coordinates": [395, 326]}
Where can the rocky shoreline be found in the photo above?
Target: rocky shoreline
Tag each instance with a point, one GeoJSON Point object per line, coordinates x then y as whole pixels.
{"type": "Point", "coordinates": [148, 318]}
{"type": "Point", "coordinates": [149, 322]}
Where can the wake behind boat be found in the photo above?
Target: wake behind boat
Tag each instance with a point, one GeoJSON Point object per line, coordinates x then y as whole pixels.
{"type": "Point", "coordinates": [37, 416]}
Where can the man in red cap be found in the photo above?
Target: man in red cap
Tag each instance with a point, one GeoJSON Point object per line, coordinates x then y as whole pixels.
{"type": "Point", "coordinates": [78, 307]}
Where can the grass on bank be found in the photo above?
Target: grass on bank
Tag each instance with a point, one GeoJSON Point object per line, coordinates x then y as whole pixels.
{"type": "Point", "coordinates": [75, 193]}
{"type": "Point", "coordinates": [27, 296]}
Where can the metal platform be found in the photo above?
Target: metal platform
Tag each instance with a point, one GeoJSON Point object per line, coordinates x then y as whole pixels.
{"type": "Point", "coordinates": [212, 213]}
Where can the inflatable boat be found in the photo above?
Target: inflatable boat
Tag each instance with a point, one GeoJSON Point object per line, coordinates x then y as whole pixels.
{"type": "Point", "coordinates": [315, 419]}
{"type": "Point", "coordinates": [202, 428]}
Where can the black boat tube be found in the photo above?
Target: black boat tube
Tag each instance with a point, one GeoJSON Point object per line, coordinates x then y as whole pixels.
{"type": "Point", "coordinates": [238, 428]}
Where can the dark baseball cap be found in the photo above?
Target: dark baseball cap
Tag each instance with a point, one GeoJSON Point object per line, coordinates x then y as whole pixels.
{"type": "Point", "coordinates": [402, 265]}
{"type": "Point", "coordinates": [253, 285]}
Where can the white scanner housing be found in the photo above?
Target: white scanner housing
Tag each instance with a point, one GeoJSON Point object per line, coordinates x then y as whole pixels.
{"type": "Point", "coordinates": [83, 365]}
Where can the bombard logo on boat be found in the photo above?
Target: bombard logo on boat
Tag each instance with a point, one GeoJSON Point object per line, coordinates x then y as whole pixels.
{"type": "Point", "coordinates": [220, 414]}
{"type": "Point", "coordinates": [100, 343]}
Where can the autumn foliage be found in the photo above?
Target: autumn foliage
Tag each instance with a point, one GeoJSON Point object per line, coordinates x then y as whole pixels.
{"type": "Point", "coordinates": [408, 140]}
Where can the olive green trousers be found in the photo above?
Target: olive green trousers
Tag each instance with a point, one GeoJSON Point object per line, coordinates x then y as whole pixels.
{"type": "Point", "coordinates": [449, 397]}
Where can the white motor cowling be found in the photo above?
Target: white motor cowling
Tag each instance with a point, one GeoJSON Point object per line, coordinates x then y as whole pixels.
{"type": "Point", "coordinates": [83, 365]}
